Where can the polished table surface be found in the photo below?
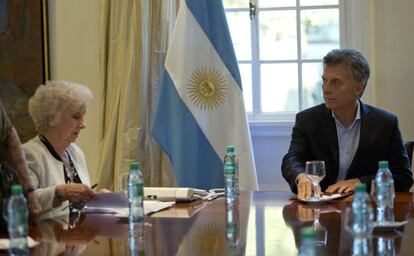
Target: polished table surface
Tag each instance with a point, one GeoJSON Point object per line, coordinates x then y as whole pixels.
{"type": "Point", "coordinates": [259, 223]}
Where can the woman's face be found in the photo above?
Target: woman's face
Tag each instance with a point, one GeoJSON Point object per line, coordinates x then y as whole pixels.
{"type": "Point", "coordinates": [70, 123]}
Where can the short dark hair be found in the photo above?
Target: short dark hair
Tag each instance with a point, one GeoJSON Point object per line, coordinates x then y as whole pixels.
{"type": "Point", "coordinates": [353, 61]}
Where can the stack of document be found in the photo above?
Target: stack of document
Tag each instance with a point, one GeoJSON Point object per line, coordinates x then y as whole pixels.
{"type": "Point", "coordinates": [117, 203]}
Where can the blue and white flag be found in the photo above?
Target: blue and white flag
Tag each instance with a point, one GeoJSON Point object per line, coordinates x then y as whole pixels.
{"type": "Point", "coordinates": [200, 109]}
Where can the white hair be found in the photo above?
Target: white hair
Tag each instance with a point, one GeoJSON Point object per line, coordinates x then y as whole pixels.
{"type": "Point", "coordinates": [54, 97]}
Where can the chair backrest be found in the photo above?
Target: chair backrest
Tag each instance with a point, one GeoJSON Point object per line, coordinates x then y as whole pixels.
{"type": "Point", "coordinates": [409, 147]}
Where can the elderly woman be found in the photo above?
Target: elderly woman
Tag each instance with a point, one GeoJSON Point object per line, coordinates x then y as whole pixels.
{"type": "Point", "coordinates": [57, 166]}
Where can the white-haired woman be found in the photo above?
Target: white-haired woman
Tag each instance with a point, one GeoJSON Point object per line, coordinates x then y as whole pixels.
{"type": "Point", "coordinates": [57, 166]}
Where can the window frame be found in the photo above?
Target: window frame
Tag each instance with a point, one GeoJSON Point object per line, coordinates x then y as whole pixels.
{"type": "Point", "coordinates": [282, 116]}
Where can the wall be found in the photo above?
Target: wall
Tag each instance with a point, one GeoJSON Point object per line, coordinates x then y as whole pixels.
{"type": "Point", "coordinates": [75, 56]}
{"type": "Point", "coordinates": [394, 43]}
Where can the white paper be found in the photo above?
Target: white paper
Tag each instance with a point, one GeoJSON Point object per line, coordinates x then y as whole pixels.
{"type": "Point", "coordinates": [150, 206]}
{"type": "Point", "coordinates": [330, 197]}
{"type": "Point", "coordinates": [325, 198]}
{"type": "Point", "coordinates": [117, 203]}
{"type": "Point", "coordinates": [5, 243]}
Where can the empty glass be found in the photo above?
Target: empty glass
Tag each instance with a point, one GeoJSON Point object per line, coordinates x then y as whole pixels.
{"type": "Point", "coordinates": [385, 204]}
{"type": "Point", "coordinates": [315, 172]}
{"type": "Point", "coordinates": [123, 183]}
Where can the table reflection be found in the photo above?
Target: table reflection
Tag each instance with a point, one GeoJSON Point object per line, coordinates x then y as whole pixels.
{"type": "Point", "coordinates": [259, 223]}
{"type": "Point", "coordinates": [362, 246]}
{"type": "Point", "coordinates": [63, 235]}
{"type": "Point", "coordinates": [136, 238]}
{"type": "Point", "coordinates": [325, 220]}
{"type": "Point", "coordinates": [217, 235]}
{"type": "Point", "coordinates": [232, 223]}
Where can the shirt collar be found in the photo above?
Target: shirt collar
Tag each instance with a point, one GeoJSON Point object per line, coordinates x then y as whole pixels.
{"type": "Point", "coordinates": [357, 117]}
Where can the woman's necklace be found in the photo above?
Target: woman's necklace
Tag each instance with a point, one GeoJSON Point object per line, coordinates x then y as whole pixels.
{"type": "Point", "coordinates": [70, 169]}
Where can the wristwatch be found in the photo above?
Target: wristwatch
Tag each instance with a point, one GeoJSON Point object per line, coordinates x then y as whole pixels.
{"type": "Point", "coordinates": [29, 190]}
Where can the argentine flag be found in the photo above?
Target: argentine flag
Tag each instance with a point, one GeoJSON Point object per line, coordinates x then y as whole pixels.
{"type": "Point", "coordinates": [200, 109]}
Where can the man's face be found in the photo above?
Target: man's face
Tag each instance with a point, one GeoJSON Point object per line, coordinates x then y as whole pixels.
{"type": "Point", "coordinates": [340, 91]}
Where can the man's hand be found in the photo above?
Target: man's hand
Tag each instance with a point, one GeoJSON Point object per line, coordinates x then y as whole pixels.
{"type": "Point", "coordinates": [343, 186]}
{"type": "Point", "coordinates": [304, 186]}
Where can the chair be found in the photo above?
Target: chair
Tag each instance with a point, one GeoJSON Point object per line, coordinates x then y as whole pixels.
{"type": "Point", "coordinates": [409, 147]}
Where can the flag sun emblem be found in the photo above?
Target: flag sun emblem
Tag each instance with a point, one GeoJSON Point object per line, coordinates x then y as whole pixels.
{"type": "Point", "coordinates": [207, 88]}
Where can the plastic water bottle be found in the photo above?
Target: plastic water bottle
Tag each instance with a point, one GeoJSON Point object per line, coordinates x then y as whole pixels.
{"type": "Point", "coordinates": [307, 240]}
{"type": "Point", "coordinates": [362, 213]}
{"type": "Point", "coordinates": [231, 174]}
{"type": "Point", "coordinates": [135, 194]}
{"type": "Point", "coordinates": [17, 222]}
{"type": "Point", "coordinates": [384, 192]}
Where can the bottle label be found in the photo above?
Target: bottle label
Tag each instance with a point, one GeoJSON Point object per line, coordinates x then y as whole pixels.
{"type": "Point", "coordinates": [140, 189]}
{"type": "Point", "coordinates": [136, 190]}
{"type": "Point", "coordinates": [229, 169]}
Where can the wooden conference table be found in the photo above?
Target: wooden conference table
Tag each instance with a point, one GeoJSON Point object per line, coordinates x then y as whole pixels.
{"type": "Point", "coordinates": [261, 223]}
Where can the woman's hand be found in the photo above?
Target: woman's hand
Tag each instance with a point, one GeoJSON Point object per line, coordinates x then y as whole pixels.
{"type": "Point", "coordinates": [75, 192]}
{"type": "Point", "coordinates": [33, 205]}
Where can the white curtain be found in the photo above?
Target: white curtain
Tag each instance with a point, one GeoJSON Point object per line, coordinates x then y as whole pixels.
{"type": "Point", "coordinates": [133, 42]}
{"type": "Point", "coordinates": [157, 23]}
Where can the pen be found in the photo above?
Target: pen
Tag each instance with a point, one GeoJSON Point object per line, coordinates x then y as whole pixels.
{"type": "Point", "coordinates": [94, 185]}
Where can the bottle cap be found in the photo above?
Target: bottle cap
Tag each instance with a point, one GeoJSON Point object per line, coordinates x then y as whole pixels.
{"type": "Point", "coordinates": [134, 165]}
{"type": "Point", "coordinates": [230, 149]}
{"type": "Point", "coordinates": [361, 187]}
{"type": "Point", "coordinates": [307, 233]}
{"type": "Point", "coordinates": [383, 164]}
{"type": "Point", "coordinates": [16, 190]}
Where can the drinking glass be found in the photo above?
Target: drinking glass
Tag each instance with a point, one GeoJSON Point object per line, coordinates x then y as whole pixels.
{"type": "Point", "coordinates": [123, 183]}
{"type": "Point", "coordinates": [315, 172]}
{"type": "Point", "coordinates": [384, 202]}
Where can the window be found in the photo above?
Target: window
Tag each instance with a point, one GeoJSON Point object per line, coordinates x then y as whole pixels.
{"type": "Point", "coordinates": [280, 51]}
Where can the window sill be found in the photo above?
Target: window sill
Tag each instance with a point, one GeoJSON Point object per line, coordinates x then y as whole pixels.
{"type": "Point", "coordinates": [272, 129]}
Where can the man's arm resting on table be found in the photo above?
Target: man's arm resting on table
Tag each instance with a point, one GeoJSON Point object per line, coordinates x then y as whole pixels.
{"type": "Point", "coordinates": [344, 186]}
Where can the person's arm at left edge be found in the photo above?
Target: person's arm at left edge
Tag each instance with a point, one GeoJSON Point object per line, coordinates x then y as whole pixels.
{"type": "Point", "coordinates": [18, 162]}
